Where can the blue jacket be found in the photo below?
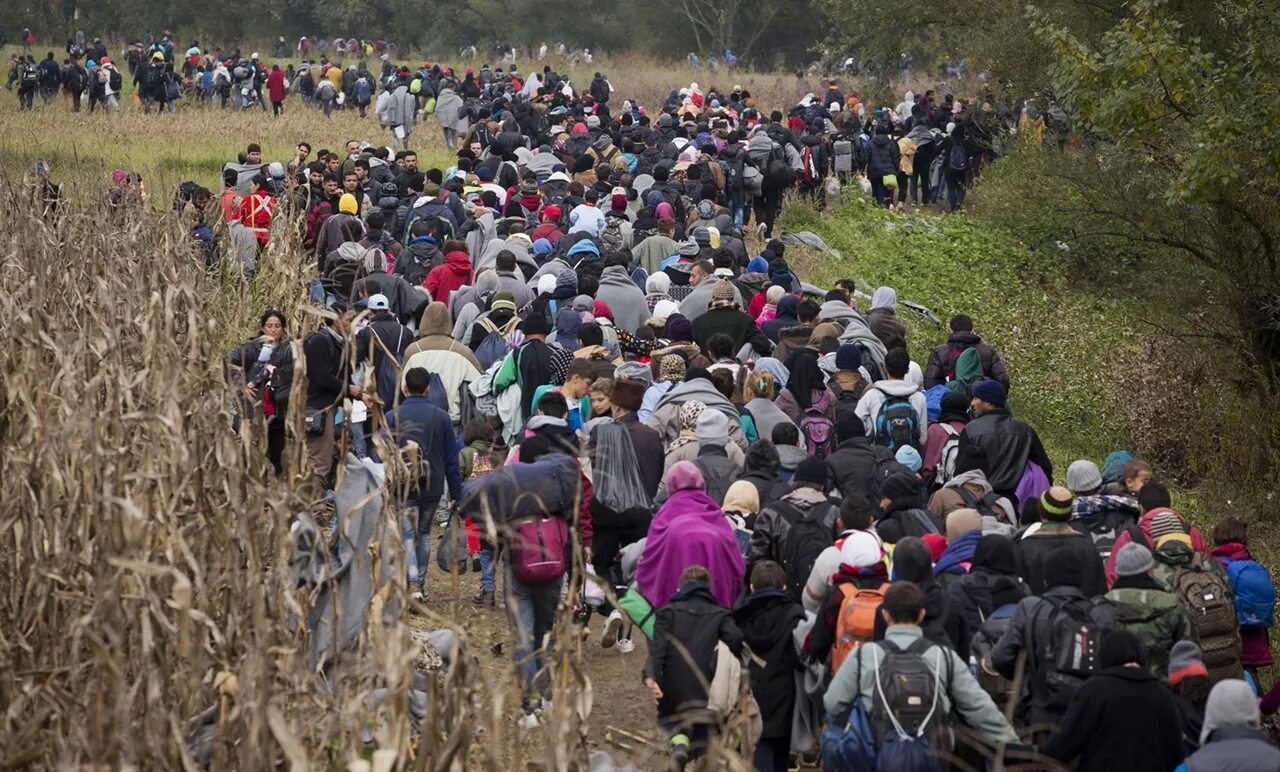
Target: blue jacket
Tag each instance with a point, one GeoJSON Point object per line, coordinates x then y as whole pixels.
{"type": "Point", "coordinates": [417, 420]}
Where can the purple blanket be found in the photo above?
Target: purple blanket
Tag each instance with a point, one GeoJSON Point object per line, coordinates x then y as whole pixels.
{"type": "Point", "coordinates": [689, 530]}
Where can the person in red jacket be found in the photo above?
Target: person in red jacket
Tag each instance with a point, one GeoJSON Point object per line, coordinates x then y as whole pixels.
{"type": "Point", "coordinates": [254, 211]}
{"type": "Point", "coordinates": [453, 275]}
{"type": "Point", "coordinates": [276, 90]}
{"type": "Point", "coordinates": [1153, 500]}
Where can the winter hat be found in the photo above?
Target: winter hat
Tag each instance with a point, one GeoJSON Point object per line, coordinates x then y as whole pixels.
{"type": "Point", "coordinates": [1063, 569]}
{"type": "Point", "coordinates": [672, 368]}
{"type": "Point", "coordinates": [713, 428]}
{"type": "Point", "coordinates": [991, 391]}
{"type": "Point", "coordinates": [546, 284]}
{"type": "Point", "coordinates": [1083, 476]}
{"type": "Point", "coordinates": [635, 371]}
{"type": "Point", "coordinates": [679, 328]}
{"type": "Point", "coordinates": [909, 457]}
{"type": "Point", "coordinates": [627, 394]}
{"type": "Point", "coordinates": [535, 324]}
{"type": "Point", "coordinates": [849, 357]}
{"type": "Point", "coordinates": [542, 247]}
{"type": "Point", "coordinates": [663, 309]}
{"type": "Point", "coordinates": [1231, 703]}
{"type": "Point", "coordinates": [861, 549]}
{"type": "Point", "coordinates": [1120, 647]}
{"type": "Point", "coordinates": [1055, 504]}
{"type": "Point", "coordinates": [658, 283]}
{"type": "Point", "coordinates": [503, 301]}
{"type": "Point", "coordinates": [484, 174]}
{"type": "Point", "coordinates": [812, 470]}
{"type": "Point", "coordinates": [1185, 660]}
{"type": "Point", "coordinates": [722, 294]}
{"type": "Point", "coordinates": [1167, 526]}
{"type": "Point", "coordinates": [688, 248]}
{"type": "Point", "coordinates": [937, 544]}
{"type": "Point", "coordinates": [348, 204]}
{"type": "Point", "coordinates": [685, 476]}
{"type": "Point", "coordinates": [962, 521]}
{"type": "Point", "coordinates": [1134, 560]}
{"type": "Point", "coordinates": [276, 170]}
{"type": "Point", "coordinates": [900, 485]}
{"type": "Point", "coordinates": [618, 202]}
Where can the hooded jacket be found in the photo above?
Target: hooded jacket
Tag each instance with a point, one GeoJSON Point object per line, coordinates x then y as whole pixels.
{"type": "Point", "coordinates": [883, 156]}
{"type": "Point", "coordinates": [773, 524]}
{"type": "Point", "coordinates": [624, 298]}
{"type": "Point", "coordinates": [874, 398]}
{"type": "Point", "coordinates": [699, 300]}
{"type": "Point", "coordinates": [450, 277]}
{"type": "Point", "coordinates": [1145, 608]}
{"type": "Point", "coordinates": [697, 623]}
{"type": "Point", "coordinates": [767, 619]}
{"type": "Point", "coordinates": [666, 415]}
{"type": "Point", "coordinates": [858, 466]}
{"type": "Point", "coordinates": [935, 370]}
{"type": "Point", "coordinates": [437, 351]}
{"type": "Point", "coordinates": [947, 499]}
{"type": "Point", "coordinates": [417, 259]}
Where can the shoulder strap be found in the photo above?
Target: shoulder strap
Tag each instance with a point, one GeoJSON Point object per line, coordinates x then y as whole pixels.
{"type": "Point", "coordinates": [488, 325]}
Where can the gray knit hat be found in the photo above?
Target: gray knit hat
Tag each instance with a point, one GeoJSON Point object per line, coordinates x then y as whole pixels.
{"type": "Point", "coordinates": [1185, 659]}
{"type": "Point", "coordinates": [1134, 559]}
{"type": "Point", "coordinates": [1083, 476]}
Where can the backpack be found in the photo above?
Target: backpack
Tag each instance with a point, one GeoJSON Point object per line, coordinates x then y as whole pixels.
{"type": "Point", "coordinates": [1255, 595]}
{"type": "Point", "coordinates": [116, 80]}
{"type": "Point", "coordinates": [897, 424]}
{"type": "Point", "coordinates": [496, 343]}
{"type": "Point", "coordinates": [433, 213]}
{"type": "Point", "coordinates": [734, 170]}
{"type": "Point", "coordinates": [947, 457]}
{"type": "Point", "coordinates": [819, 432]}
{"type": "Point", "coordinates": [846, 401]}
{"type": "Point", "coordinates": [809, 167]}
{"type": "Point", "coordinates": [1202, 587]}
{"type": "Point", "coordinates": [387, 371]}
{"type": "Point", "coordinates": [1071, 653]}
{"type": "Point", "coordinates": [856, 622]}
{"type": "Point", "coordinates": [843, 150]}
{"type": "Point", "coordinates": [363, 91]}
{"type": "Point", "coordinates": [981, 645]}
{"type": "Point", "coordinates": [957, 161]}
{"type": "Point", "coordinates": [29, 74]}
{"type": "Point", "coordinates": [905, 711]}
{"type": "Point", "coordinates": [481, 465]}
{"type": "Point", "coordinates": [538, 550]}
{"type": "Point", "coordinates": [986, 506]}
{"type": "Point", "coordinates": [810, 534]}
{"type": "Point", "coordinates": [611, 236]}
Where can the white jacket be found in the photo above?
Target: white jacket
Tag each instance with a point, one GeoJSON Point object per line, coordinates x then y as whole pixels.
{"type": "Point", "coordinates": [454, 370]}
{"type": "Point", "coordinates": [874, 397]}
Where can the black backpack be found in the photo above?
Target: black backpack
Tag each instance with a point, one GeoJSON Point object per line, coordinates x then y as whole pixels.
{"type": "Point", "coordinates": [906, 706]}
{"type": "Point", "coordinates": [986, 506]}
{"type": "Point", "coordinates": [846, 401]}
{"type": "Point", "coordinates": [116, 80]}
{"type": "Point", "coordinates": [29, 74]}
{"type": "Point", "coordinates": [1071, 653]}
{"type": "Point", "coordinates": [810, 534]}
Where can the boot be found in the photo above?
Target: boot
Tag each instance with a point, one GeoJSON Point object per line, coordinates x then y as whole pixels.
{"type": "Point", "coordinates": [484, 598]}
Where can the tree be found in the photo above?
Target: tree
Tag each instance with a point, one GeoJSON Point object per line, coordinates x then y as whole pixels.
{"type": "Point", "coordinates": [726, 24]}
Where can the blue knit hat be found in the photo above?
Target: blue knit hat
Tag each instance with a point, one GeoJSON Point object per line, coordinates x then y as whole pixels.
{"type": "Point", "coordinates": [542, 247]}
{"type": "Point", "coordinates": [848, 357]}
{"type": "Point", "coordinates": [989, 390]}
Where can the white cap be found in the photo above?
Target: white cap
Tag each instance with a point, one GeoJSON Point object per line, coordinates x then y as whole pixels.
{"type": "Point", "coordinates": [379, 302]}
{"type": "Point", "coordinates": [725, 273]}
{"type": "Point", "coordinates": [861, 549]}
{"type": "Point", "coordinates": [255, 55]}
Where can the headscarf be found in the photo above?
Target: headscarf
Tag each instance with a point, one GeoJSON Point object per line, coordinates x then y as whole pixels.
{"type": "Point", "coordinates": [781, 375]}
{"type": "Point", "coordinates": [884, 297]}
{"type": "Point", "coordinates": [805, 377]}
{"type": "Point", "coordinates": [689, 413]}
{"type": "Point", "coordinates": [1113, 467]}
{"type": "Point", "coordinates": [742, 497]}
{"type": "Point", "coordinates": [659, 283]}
{"type": "Point", "coordinates": [664, 209]}
{"type": "Point", "coordinates": [683, 476]}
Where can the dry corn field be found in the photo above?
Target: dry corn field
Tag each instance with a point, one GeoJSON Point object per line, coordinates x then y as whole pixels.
{"type": "Point", "coordinates": [153, 611]}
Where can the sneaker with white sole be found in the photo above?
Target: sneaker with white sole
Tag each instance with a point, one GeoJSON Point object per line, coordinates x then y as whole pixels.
{"type": "Point", "coordinates": [612, 625]}
{"type": "Point", "coordinates": [626, 646]}
{"type": "Point", "coordinates": [528, 721]}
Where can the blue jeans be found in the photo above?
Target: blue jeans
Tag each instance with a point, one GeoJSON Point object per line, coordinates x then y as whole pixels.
{"type": "Point", "coordinates": [486, 569]}
{"type": "Point", "coordinates": [955, 189]}
{"type": "Point", "coordinates": [417, 529]}
{"type": "Point", "coordinates": [533, 613]}
{"type": "Point", "coordinates": [737, 206]}
{"type": "Point", "coordinates": [359, 441]}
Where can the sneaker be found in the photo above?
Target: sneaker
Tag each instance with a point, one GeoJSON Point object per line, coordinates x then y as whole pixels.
{"type": "Point", "coordinates": [626, 646]}
{"type": "Point", "coordinates": [612, 626]}
{"type": "Point", "coordinates": [417, 595]}
{"type": "Point", "coordinates": [529, 721]}
{"type": "Point", "coordinates": [484, 598]}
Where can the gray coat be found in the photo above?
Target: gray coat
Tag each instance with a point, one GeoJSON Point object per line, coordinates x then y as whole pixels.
{"type": "Point", "coordinates": [400, 110]}
{"type": "Point", "coordinates": [448, 103]}
{"type": "Point", "coordinates": [624, 298]}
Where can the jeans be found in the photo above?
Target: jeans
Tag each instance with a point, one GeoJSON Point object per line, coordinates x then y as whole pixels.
{"type": "Point", "coordinates": [408, 529]}
{"type": "Point", "coordinates": [773, 754]}
{"type": "Point", "coordinates": [422, 518]}
{"type": "Point", "coordinates": [878, 189]}
{"type": "Point", "coordinates": [359, 443]}
{"type": "Point", "coordinates": [533, 612]}
{"type": "Point", "coordinates": [486, 569]}
{"type": "Point", "coordinates": [955, 189]}
{"type": "Point", "coordinates": [738, 208]}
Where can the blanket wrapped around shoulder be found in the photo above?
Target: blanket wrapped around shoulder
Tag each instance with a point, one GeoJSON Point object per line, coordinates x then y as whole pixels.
{"type": "Point", "coordinates": [523, 490]}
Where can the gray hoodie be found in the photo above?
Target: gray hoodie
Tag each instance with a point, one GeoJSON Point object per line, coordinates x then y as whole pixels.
{"type": "Point", "coordinates": [874, 397]}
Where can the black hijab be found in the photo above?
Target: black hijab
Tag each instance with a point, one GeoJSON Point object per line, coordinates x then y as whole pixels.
{"type": "Point", "coordinates": [806, 377]}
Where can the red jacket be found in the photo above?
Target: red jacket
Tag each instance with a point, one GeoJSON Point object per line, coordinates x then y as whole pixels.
{"type": "Point", "coordinates": [1198, 542]}
{"type": "Point", "coordinates": [255, 212]}
{"type": "Point", "coordinates": [275, 86]}
{"type": "Point", "coordinates": [453, 275]}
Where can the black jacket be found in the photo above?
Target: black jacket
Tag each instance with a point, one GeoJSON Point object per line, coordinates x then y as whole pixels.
{"type": "Point", "coordinates": [858, 466]}
{"type": "Point", "coordinates": [327, 374]}
{"type": "Point", "coordinates": [935, 371]}
{"type": "Point", "coordinates": [416, 261]}
{"type": "Point", "coordinates": [905, 518]}
{"type": "Point", "coordinates": [1121, 718]}
{"type": "Point", "coordinates": [944, 622]}
{"type": "Point", "coordinates": [980, 592]}
{"type": "Point", "coordinates": [883, 156]}
{"type": "Point", "coordinates": [648, 446]}
{"type": "Point", "coordinates": [1009, 443]}
{"type": "Point", "coordinates": [736, 324]}
{"type": "Point", "coordinates": [1033, 550]}
{"type": "Point", "coordinates": [767, 619]}
{"type": "Point", "coordinates": [682, 654]}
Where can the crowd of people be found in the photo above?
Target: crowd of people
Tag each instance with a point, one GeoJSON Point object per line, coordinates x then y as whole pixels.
{"type": "Point", "coordinates": [581, 305]}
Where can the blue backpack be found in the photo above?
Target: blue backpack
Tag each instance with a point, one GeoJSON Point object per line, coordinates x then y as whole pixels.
{"type": "Point", "coordinates": [898, 423]}
{"type": "Point", "coordinates": [496, 343]}
{"type": "Point", "coordinates": [1255, 595]}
